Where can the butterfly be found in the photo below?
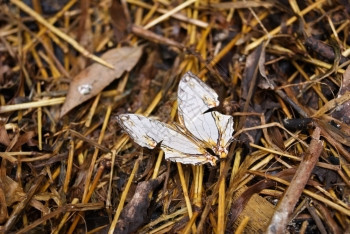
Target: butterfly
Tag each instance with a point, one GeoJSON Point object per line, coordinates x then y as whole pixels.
{"type": "Point", "coordinates": [200, 137]}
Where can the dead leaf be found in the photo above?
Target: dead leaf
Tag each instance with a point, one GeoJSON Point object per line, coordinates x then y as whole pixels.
{"type": "Point", "coordinates": [120, 20]}
{"type": "Point", "coordinates": [276, 137]}
{"type": "Point", "coordinates": [25, 138]}
{"type": "Point", "coordinates": [3, 207]}
{"type": "Point", "coordinates": [328, 177]}
{"type": "Point", "coordinates": [323, 49]}
{"type": "Point", "coordinates": [13, 191]}
{"type": "Point", "coordinates": [342, 112]}
{"type": "Point", "coordinates": [243, 198]}
{"type": "Point", "coordinates": [96, 77]}
{"type": "Point", "coordinates": [264, 83]}
{"type": "Point", "coordinates": [4, 137]}
{"type": "Point", "coordinates": [135, 212]}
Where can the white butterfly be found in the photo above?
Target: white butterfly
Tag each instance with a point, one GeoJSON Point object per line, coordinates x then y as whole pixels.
{"type": "Point", "coordinates": [198, 131]}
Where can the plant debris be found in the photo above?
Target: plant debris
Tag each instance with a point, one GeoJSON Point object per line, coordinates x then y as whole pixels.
{"type": "Point", "coordinates": [135, 212]}
{"type": "Point", "coordinates": [92, 80]}
{"type": "Point", "coordinates": [69, 68]}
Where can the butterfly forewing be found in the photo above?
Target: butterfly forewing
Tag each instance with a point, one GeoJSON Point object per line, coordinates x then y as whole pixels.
{"type": "Point", "coordinates": [148, 133]}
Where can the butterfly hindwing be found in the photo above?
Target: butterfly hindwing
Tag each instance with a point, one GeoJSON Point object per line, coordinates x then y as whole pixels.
{"type": "Point", "coordinates": [224, 124]}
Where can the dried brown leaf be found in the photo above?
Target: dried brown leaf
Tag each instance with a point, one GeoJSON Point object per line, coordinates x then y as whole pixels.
{"type": "Point", "coordinates": [25, 138]}
{"type": "Point", "coordinates": [323, 49]}
{"type": "Point", "coordinates": [135, 212]}
{"type": "Point", "coordinates": [4, 137]}
{"type": "Point", "coordinates": [242, 200]}
{"type": "Point", "coordinates": [264, 83]}
{"type": "Point", "coordinates": [3, 207]}
{"type": "Point", "coordinates": [14, 191]}
{"type": "Point", "coordinates": [342, 112]}
{"type": "Point", "coordinates": [120, 21]}
{"type": "Point", "coordinates": [96, 77]}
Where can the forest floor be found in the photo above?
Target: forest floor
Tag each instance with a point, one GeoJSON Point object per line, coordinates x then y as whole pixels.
{"type": "Point", "coordinates": [69, 69]}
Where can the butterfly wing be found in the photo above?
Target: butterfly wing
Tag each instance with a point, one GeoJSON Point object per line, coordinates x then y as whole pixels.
{"type": "Point", "coordinates": [212, 128]}
{"type": "Point", "coordinates": [194, 96]}
{"type": "Point", "coordinates": [149, 132]}
{"type": "Point", "coordinates": [224, 124]}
